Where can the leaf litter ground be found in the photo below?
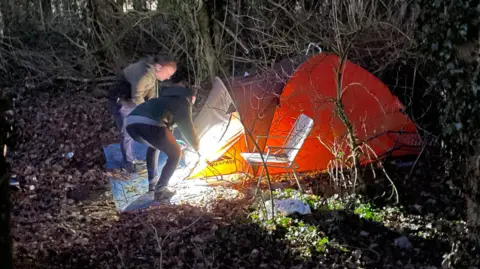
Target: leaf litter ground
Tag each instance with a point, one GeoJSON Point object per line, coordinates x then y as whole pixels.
{"type": "Point", "coordinates": [64, 215]}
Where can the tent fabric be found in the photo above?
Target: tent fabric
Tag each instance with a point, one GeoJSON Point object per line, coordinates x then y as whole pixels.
{"type": "Point", "coordinates": [214, 111]}
{"type": "Point", "coordinates": [256, 97]}
{"type": "Point", "coordinates": [369, 106]}
{"type": "Point", "coordinates": [218, 131]}
{"type": "Point", "coordinates": [269, 102]}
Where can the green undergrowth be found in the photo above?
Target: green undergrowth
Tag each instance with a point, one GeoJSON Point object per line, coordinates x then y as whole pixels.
{"type": "Point", "coordinates": [304, 238]}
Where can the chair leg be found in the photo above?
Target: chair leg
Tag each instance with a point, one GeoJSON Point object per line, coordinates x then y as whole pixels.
{"type": "Point", "coordinates": [259, 179]}
{"type": "Point", "coordinates": [288, 173]}
{"type": "Point", "coordinates": [246, 175]}
{"type": "Point", "coordinates": [298, 181]}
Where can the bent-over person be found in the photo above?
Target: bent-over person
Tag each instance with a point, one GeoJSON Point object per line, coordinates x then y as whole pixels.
{"type": "Point", "coordinates": [135, 84]}
{"type": "Point", "coordinates": [150, 123]}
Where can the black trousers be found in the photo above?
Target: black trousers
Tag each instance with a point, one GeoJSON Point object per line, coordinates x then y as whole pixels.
{"type": "Point", "coordinates": [157, 139]}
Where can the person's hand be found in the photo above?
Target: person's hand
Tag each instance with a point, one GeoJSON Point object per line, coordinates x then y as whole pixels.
{"type": "Point", "coordinates": [127, 104]}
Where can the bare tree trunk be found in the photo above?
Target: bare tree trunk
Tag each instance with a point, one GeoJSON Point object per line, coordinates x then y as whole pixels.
{"type": "Point", "coordinates": [120, 4]}
{"type": "Point", "coordinates": [204, 31]}
{"type": "Point", "coordinates": [218, 13]}
{"type": "Point", "coordinates": [5, 239]}
{"type": "Point", "coordinates": [45, 10]}
{"type": "Point", "coordinates": [6, 251]}
{"type": "Point", "coordinates": [75, 7]}
{"type": "Point", "coordinates": [67, 6]}
{"type": "Point", "coordinates": [139, 5]}
{"type": "Point", "coordinates": [58, 7]}
{"type": "Point", "coordinates": [468, 53]}
{"type": "Point", "coordinates": [8, 15]}
{"type": "Point", "coordinates": [352, 139]}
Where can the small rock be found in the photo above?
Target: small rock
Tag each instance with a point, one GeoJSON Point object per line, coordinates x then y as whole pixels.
{"type": "Point", "coordinates": [254, 253]}
{"type": "Point", "coordinates": [403, 242]}
{"type": "Point", "coordinates": [32, 187]}
{"type": "Point", "coordinates": [69, 185]}
{"type": "Point", "coordinates": [357, 254]}
{"type": "Point", "coordinates": [418, 208]}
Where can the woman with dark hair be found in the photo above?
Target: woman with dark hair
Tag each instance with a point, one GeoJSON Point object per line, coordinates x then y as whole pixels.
{"type": "Point", "coordinates": [136, 83]}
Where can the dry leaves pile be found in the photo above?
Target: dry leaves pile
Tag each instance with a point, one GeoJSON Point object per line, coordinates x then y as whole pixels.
{"type": "Point", "coordinates": [64, 216]}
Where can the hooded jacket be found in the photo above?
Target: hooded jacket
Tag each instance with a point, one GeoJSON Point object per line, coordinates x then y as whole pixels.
{"type": "Point", "coordinates": [173, 107]}
{"type": "Point", "coordinates": [136, 82]}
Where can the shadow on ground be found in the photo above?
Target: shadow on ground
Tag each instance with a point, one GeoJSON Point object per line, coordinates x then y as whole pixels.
{"type": "Point", "coordinates": [177, 236]}
{"type": "Point", "coordinates": [423, 189]}
{"type": "Point", "coordinates": [375, 245]}
{"type": "Point", "coordinates": [188, 237]}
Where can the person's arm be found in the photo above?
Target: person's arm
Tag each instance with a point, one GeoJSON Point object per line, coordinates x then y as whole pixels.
{"type": "Point", "coordinates": [152, 92]}
{"type": "Point", "coordinates": [185, 125]}
{"type": "Point", "coordinates": [141, 90]}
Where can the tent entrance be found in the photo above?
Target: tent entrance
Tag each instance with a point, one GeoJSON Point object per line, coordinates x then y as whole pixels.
{"type": "Point", "coordinates": [220, 131]}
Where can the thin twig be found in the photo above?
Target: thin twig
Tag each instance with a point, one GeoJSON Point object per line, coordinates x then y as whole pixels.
{"type": "Point", "coordinates": [86, 80]}
{"type": "Point", "coordinates": [161, 242]}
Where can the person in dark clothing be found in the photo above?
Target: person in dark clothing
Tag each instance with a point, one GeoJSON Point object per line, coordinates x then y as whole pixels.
{"type": "Point", "coordinates": [134, 84]}
{"type": "Point", "coordinates": [151, 123]}
{"type": "Point", "coordinates": [166, 91]}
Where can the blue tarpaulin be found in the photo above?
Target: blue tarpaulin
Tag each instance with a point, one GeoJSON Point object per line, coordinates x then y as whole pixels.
{"type": "Point", "coordinates": [114, 156]}
{"type": "Point", "coordinates": [127, 191]}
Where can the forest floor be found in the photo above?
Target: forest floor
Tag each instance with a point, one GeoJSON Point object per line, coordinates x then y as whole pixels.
{"type": "Point", "coordinates": [64, 215]}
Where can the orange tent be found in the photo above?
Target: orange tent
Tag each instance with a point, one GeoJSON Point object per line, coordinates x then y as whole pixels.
{"type": "Point", "coordinates": [268, 103]}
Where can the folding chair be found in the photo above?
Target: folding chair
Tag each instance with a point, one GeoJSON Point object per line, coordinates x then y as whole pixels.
{"type": "Point", "coordinates": [284, 156]}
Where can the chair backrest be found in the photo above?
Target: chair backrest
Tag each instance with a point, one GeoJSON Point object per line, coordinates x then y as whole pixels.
{"type": "Point", "coordinates": [295, 139]}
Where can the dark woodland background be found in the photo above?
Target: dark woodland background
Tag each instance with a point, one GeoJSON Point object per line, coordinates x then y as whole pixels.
{"type": "Point", "coordinates": [427, 52]}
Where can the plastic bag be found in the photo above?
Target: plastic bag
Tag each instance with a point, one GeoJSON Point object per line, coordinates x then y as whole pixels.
{"type": "Point", "coordinates": [288, 206]}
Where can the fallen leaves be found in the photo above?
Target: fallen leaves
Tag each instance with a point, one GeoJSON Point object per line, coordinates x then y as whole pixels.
{"type": "Point", "coordinates": [65, 217]}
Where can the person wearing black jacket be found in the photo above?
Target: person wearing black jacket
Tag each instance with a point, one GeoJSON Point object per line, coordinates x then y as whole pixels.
{"type": "Point", "coordinates": [151, 123]}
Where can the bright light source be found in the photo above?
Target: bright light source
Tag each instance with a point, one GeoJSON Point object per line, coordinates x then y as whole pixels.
{"type": "Point", "coordinates": [212, 145]}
